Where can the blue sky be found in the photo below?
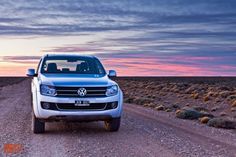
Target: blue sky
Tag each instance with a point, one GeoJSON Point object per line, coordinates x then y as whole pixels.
{"type": "Point", "coordinates": [171, 37]}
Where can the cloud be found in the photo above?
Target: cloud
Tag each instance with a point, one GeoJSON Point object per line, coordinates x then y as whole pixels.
{"type": "Point", "coordinates": [197, 36]}
{"type": "Point", "coordinates": [9, 20]}
{"type": "Point", "coordinates": [20, 59]}
{"type": "Point", "coordinates": [75, 49]}
{"type": "Point", "coordinates": [43, 17]}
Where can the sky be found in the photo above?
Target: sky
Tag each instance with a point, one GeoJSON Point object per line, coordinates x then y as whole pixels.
{"type": "Point", "coordinates": [133, 37]}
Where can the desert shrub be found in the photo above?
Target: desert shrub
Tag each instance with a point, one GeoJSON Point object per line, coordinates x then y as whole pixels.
{"type": "Point", "coordinates": [188, 114]}
{"type": "Point", "coordinates": [175, 106]}
{"type": "Point", "coordinates": [206, 98]}
{"type": "Point", "coordinates": [150, 105]}
{"type": "Point", "coordinates": [142, 101]}
{"type": "Point", "coordinates": [190, 90]}
{"type": "Point", "coordinates": [191, 113]}
{"type": "Point", "coordinates": [153, 97]}
{"type": "Point", "coordinates": [160, 108]}
{"type": "Point", "coordinates": [231, 97]}
{"type": "Point", "coordinates": [218, 100]}
{"type": "Point", "coordinates": [225, 94]}
{"type": "Point", "coordinates": [159, 87]}
{"type": "Point", "coordinates": [224, 88]}
{"type": "Point", "coordinates": [199, 108]}
{"type": "Point", "coordinates": [221, 123]}
{"type": "Point", "coordinates": [222, 114]}
{"type": "Point", "coordinates": [174, 90]}
{"type": "Point", "coordinates": [168, 110]}
{"type": "Point", "coordinates": [212, 94]}
{"type": "Point", "coordinates": [214, 109]}
{"type": "Point", "coordinates": [162, 93]}
{"type": "Point", "coordinates": [129, 99]}
{"type": "Point", "coordinates": [187, 104]}
{"type": "Point", "coordinates": [149, 96]}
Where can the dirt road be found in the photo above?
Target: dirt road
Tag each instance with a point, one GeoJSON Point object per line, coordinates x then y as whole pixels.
{"type": "Point", "coordinates": [143, 132]}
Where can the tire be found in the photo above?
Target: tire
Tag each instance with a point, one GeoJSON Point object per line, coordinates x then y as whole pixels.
{"type": "Point", "coordinates": [37, 126]}
{"type": "Point", "coordinates": [113, 124]}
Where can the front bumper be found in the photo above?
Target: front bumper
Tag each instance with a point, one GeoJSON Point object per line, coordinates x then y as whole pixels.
{"type": "Point", "coordinates": [45, 114]}
{"type": "Point", "coordinates": [78, 118]}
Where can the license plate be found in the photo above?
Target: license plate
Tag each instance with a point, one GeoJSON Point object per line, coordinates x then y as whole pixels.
{"type": "Point", "coordinates": [82, 103]}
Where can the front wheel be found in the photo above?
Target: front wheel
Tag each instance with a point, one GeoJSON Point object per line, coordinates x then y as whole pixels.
{"type": "Point", "coordinates": [113, 124]}
{"type": "Point", "coordinates": [37, 126]}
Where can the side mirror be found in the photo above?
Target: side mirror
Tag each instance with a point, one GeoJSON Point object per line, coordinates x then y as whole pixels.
{"type": "Point", "coordinates": [112, 73]}
{"type": "Point", "coordinates": [31, 73]}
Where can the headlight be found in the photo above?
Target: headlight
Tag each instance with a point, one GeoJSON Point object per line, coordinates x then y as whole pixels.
{"type": "Point", "coordinates": [47, 90]}
{"type": "Point", "coordinates": [112, 90]}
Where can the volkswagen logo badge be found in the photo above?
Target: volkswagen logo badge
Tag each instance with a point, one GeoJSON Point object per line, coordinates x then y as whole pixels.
{"type": "Point", "coordinates": [82, 92]}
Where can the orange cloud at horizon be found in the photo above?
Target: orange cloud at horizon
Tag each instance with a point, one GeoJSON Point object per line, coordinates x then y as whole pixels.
{"type": "Point", "coordinates": [15, 69]}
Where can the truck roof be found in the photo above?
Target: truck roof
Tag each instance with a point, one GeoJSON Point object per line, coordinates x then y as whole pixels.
{"type": "Point", "coordinates": [68, 55]}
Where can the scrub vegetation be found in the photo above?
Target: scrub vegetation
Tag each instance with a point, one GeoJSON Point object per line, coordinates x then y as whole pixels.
{"type": "Point", "coordinates": [210, 100]}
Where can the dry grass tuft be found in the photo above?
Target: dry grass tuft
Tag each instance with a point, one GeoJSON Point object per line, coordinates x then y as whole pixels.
{"type": "Point", "coordinates": [168, 110]}
{"type": "Point", "coordinates": [177, 112]}
{"type": "Point", "coordinates": [204, 120]}
{"type": "Point", "coordinates": [212, 94]}
{"type": "Point", "coordinates": [206, 98]}
{"type": "Point", "coordinates": [225, 94]}
{"type": "Point", "coordinates": [149, 105]}
{"type": "Point", "coordinates": [214, 109]}
{"type": "Point", "coordinates": [160, 108]}
{"type": "Point", "coordinates": [195, 95]}
{"type": "Point", "coordinates": [234, 103]}
{"type": "Point", "coordinates": [222, 114]}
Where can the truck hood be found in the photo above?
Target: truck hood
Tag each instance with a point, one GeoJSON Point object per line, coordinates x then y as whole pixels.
{"type": "Point", "coordinates": [75, 80]}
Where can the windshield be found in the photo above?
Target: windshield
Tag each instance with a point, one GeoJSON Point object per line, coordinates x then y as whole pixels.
{"type": "Point", "coordinates": [72, 65]}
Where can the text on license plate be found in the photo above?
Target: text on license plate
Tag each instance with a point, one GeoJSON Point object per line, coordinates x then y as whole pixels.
{"type": "Point", "coordinates": [82, 103]}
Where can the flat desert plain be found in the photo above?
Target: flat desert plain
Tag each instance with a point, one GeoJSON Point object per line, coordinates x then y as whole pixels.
{"type": "Point", "coordinates": [163, 116]}
{"type": "Point", "coordinates": [205, 99]}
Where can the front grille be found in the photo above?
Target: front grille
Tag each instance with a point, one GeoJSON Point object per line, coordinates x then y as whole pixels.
{"type": "Point", "coordinates": [94, 106]}
{"type": "Point", "coordinates": [72, 106]}
{"type": "Point", "coordinates": [73, 92]}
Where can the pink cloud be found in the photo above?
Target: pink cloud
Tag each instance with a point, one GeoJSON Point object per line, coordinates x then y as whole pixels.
{"type": "Point", "coordinates": [167, 67]}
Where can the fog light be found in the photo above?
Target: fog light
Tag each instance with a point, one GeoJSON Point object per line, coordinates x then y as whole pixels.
{"type": "Point", "coordinates": [114, 104]}
{"type": "Point", "coordinates": [46, 105]}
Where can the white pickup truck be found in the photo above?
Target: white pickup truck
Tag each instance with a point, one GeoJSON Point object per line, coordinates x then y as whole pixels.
{"type": "Point", "coordinates": [74, 88]}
